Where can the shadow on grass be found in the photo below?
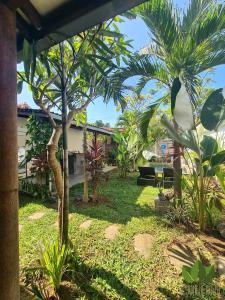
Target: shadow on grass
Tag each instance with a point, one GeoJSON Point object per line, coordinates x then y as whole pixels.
{"type": "Point", "coordinates": [168, 294]}
{"type": "Point", "coordinates": [85, 277]}
{"type": "Point", "coordinates": [123, 195]}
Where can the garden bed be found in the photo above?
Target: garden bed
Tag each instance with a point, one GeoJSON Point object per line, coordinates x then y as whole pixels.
{"type": "Point", "coordinates": [112, 268]}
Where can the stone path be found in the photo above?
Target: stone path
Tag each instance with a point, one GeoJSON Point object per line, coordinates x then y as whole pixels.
{"type": "Point", "coordinates": [36, 216]}
{"type": "Point", "coordinates": [143, 244]}
{"type": "Point", "coordinates": [86, 224]}
{"type": "Point", "coordinates": [180, 255]}
{"type": "Point", "coordinates": [111, 232]}
{"type": "Point", "coordinates": [220, 265]}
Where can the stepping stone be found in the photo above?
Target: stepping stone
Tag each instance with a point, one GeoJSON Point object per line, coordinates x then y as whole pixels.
{"type": "Point", "coordinates": [86, 224]}
{"type": "Point", "coordinates": [180, 255]}
{"type": "Point", "coordinates": [111, 232]}
{"type": "Point", "coordinates": [220, 264]}
{"type": "Point", "coordinates": [20, 227]}
{"type": "Point", "coordinates": [36, 216]}
{"type": "Point", "coordinates": [143, 244]}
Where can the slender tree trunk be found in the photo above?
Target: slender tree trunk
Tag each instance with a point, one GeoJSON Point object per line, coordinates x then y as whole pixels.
{"type": "Point", "coordinates": [9, 246]}
{"type": "Point", "coordinates": [65, 205]}
{"type": "Point", "coordinates": [201, 200]}
{"type": "Point", "coordinates": [95, 189]}
{"type": "Point", "coordinates": [55, 166]}
{"type": "Point", "coordinates": [177, 168]}
{"type": "Point", "coordinates": [85, 148]}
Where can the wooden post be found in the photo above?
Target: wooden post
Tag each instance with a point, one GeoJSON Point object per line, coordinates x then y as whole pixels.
{"type": "Point", "coordinates": [9, 254]}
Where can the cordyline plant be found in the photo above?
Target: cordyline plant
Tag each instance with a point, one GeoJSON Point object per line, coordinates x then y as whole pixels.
{"type": "Point", "coordinates": [68, 77]}
{"type": "Point", "coordinates": [95, 158]}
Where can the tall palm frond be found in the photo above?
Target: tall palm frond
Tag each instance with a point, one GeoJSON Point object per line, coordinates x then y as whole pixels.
{"type": "Point", "coordinates": [162, 20]}
{"type": "Point", "coordinates": [193, 12]}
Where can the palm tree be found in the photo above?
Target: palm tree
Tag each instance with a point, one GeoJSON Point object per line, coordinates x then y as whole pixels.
{"type": "Point", "coordinates": [183, 45]}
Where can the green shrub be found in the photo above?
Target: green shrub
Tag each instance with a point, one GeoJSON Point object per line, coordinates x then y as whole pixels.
{"type": "Point", "coordinates": [36, 190]}
{"type": "Point", "coordinates": [198, 273]}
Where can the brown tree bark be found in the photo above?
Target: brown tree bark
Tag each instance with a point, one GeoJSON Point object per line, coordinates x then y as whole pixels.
{"type": "Point", "coordinates": [55, 166]}
{"type": "Point", "coordinates": [9, 246]}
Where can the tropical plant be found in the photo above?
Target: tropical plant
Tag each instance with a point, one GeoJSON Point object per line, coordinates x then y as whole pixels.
{"type": "Point", "coordinates": [95, 159]}
{"type": "Point", "coordinates": [208, 156]}
{"type": "Point", "coordinates": [184, 44]}
{"type": "Point", "coordinates": [68, 77]}
{"type": "Point", "coordinates": [198, 273]}
{"type": "Point", "coordinates": [52, 262]}
{"type": "Point", "coordinates": [122, 156]}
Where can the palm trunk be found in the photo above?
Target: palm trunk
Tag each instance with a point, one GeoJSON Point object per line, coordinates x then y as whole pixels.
{"type": "Point", "coordinates": [85, 148]}
{"type": "Point", "coordinates": [55, 166]}
{"type": "Point", "coordinates": [177, 168]}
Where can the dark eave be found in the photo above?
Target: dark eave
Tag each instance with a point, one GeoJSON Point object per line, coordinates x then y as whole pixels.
{"type": "Point", "coordinates": [66, 19]}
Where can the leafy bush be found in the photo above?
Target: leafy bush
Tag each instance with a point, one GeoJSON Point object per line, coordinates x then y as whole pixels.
{"type": "Point", "coordinates": [34, 189]}
{"type": "Point", "coordinates": [178, 212]}
{"type": "Point", "coordinates": [198, 273]}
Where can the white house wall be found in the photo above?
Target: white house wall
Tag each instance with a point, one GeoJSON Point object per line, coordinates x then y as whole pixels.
{"type": "Point", "coordinates": [75, 136]}
{"type": "Point", "coordinates": [75, 140]}
{"type": "Point", "coordinates": [21, 131]}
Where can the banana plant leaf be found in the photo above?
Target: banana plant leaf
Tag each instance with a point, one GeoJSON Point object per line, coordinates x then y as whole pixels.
{"type": "Point", "coordinates": [187, 138]}
{"type": "Point", "coordinates": [213, 110]}
{"type": "Point", "coordinates": [181, 105]}
{"type": "Point", "coordinates": [208, 147]}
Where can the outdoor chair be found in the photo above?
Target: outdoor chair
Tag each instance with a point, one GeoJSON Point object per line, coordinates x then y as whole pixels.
{"type": "Point", "coordinates": [168, 178]}
{"type": "Point", "coordinates": [147, 176]}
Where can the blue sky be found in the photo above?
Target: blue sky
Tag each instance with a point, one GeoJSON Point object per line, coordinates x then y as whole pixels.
{"type": "Point", "coordinates": [137, 31]}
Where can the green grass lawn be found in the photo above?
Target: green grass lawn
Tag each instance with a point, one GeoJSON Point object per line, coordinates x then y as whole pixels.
{"type": "Point", "coordinates": [117, 271]}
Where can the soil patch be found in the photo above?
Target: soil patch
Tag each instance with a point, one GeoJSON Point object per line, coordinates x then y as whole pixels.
{"type": "Point", "coordinates": [101, 200]}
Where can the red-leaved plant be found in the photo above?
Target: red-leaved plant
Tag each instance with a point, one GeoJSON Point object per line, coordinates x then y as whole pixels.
{"type": "Point", "coordinates": [95, 159]}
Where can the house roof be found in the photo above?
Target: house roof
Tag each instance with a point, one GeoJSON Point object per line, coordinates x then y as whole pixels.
{"type": "Point", "coordinates": [51, 21]}
{"type": "Point", "coordinates": [26, 112]}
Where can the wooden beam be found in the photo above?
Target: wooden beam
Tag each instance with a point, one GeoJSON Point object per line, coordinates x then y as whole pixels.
{"type": "Point", "coordinates": [28, 9]}
{"type": "Point", "coordinates": [24, 28]}
{"type": "Point", "coordinates": [9, 246]}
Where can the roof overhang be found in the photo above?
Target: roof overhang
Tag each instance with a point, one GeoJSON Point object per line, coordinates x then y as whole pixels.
{"type": "Point", "coordinates": [51, 21]}
{"type": "Point", "coordinates": [26, 113]}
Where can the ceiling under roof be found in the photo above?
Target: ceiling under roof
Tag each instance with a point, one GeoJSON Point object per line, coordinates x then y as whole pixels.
{"type": "Point", "coordinates": [51, 21]}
